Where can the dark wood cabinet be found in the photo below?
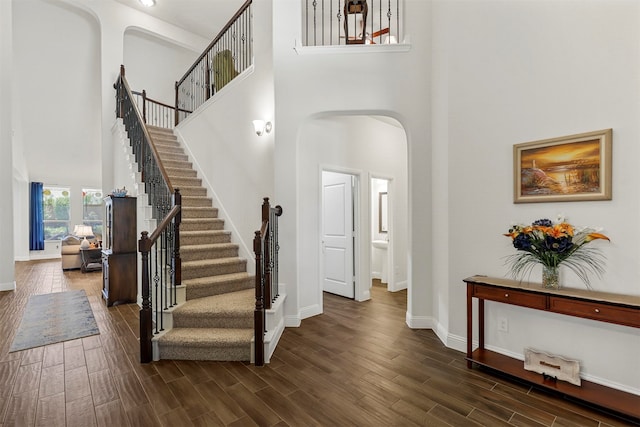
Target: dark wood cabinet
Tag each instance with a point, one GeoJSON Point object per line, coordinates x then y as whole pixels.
{"type": "Point", "coordinates": [600, 306]}
{"type": "Point", "coordinates": [119, 254]}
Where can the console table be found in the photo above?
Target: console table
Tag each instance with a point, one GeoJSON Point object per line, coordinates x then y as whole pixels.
{"type": "Point", "coordinates": [601, 306]}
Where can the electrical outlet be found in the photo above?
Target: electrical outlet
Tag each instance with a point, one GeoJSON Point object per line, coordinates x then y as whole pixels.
{"type": "Point", "coordinates": [503, 324]}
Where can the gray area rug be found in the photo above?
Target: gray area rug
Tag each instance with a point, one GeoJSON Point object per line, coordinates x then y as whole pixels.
{"type": "Point", "coordinates": [52, 318]}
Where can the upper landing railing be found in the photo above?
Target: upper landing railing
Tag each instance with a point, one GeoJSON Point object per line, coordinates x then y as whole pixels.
{"type": "Point", "coordinates": [229, 54]}
{"type": "Point", "coordinates": [339, 22]}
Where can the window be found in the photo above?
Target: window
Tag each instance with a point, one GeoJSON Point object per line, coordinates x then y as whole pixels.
{"type": "Point", "coordinates": [55, 201]}
{"type": "Point", "coordinates": [92, 209]}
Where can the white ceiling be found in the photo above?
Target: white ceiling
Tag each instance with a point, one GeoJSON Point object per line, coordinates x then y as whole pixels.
{"type": "Point", "coordinates": [202, 17]}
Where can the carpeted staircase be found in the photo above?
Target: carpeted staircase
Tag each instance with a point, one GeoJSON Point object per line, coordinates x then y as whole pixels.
{"type": "Point", "coordinates": [215, 322]}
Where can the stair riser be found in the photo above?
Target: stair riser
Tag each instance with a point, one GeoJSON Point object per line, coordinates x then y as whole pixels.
{"type": "Point", "coordinates": [205, 213]}
{"type": "Point", "coordinates": [207, 290]}
{"type": "Point", "coordinates": [169, 156]}
{"type": "Point", "coordinates": [169, 149]}
{"type": "Point", "coordinates": [184, 181]}
{"type": "Point", "coordinates": [208, 254]}
{"type": "Point", "coordinates": [213, 270]}
{"type": "Point", "coordinates": [239, 322]}
{"type": "Point", "coordinates": [176, 164]}
{"type": "Point", "coordinates": [206, 238]}
{"type": "Point", "coordinates": [180, 172]}
{"type": "Point", "coordinates": [184, 352]}
{"type": "Point", "coordinates": [164, 140]}
{"type": "Point", "coordinates": [197, 202]}
{"type": "Point", "coordinates": [192, 191]}
{"type": "Point", "coordinates": [203, 225]}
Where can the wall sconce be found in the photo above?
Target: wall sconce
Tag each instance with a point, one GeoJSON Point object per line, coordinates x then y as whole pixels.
{"type": "Point", "coordinates": [262, 127]}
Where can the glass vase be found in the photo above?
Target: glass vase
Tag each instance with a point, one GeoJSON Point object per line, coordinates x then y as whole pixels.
{"type": "Point", "coordinates": [550, 277]}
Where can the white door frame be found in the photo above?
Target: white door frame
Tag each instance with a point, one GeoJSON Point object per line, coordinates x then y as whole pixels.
{"type": "Point", "coordinates": [391, 276]}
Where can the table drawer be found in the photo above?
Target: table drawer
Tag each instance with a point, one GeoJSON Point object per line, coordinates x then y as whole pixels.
{"type": "Point", "coordinates": [510, 296]}
{"type": "Point", "coordinates": [597, 311]}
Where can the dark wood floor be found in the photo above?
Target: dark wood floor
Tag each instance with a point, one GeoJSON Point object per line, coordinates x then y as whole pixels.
{"type": "Point", "coordinates": [356, 365]}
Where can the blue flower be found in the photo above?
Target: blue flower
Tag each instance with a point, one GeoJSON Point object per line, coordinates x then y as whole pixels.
{"type": "Point", "coordinates": [543, 223]}
{"type": "Point", "coordinates": [558, 245]}
{"type": "Point", "coordinates": [522, 242]}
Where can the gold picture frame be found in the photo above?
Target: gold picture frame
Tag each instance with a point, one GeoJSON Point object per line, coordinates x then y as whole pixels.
{"type": "Point", "coordinates": [569, 168]}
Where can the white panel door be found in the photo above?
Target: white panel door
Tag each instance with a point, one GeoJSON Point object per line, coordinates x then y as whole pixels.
{"type": "Point", "coordinates": [337, 234]}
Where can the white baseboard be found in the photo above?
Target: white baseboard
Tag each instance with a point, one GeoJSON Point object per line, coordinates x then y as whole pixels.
{"type": "Point", "coordinates": [292, 321]}
{"type": "Point", "coordinates": [310, 311]}
{"type": "Point", "coordinates": [419, 322]}
{"type": "Point", "coordinates": [9, 286]}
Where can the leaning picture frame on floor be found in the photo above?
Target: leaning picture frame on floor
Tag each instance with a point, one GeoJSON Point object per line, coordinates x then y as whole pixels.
{"type": "Point", "coordinates": [569, 168]}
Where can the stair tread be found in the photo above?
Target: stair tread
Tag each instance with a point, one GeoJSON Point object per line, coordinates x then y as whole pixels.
{"type": "Point", "coordinates": [190, 233]}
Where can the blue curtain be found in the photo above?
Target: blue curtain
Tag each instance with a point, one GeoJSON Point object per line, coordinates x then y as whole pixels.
{"type": "Point", "coordinates": [36, 218]}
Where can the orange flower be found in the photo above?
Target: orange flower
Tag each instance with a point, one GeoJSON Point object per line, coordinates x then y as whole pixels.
{"type": "Point", "coordinates": [594, 236]}
{"type": "Point", "coordinates": [560, 230]}
{"type": "Point", "coordinates": [541, 228]}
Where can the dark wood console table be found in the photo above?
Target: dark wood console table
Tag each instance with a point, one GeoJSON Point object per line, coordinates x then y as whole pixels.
{"type": "Point", "coordinates": [601, 306]}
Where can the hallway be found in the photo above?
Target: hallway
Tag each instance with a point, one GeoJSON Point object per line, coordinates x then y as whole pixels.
{"type": "Point", "coordinates": [357, 364]}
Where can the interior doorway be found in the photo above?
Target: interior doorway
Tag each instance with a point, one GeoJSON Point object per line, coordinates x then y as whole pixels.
{"type": "Point", "coordinates": [381, 209]}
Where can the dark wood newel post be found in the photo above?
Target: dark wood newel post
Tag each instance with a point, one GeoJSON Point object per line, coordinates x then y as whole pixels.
{"type": "Point", "coordinates": [258, 313]}
{"type": "Point", "coordinates": [146, 327]}
{"type": "Point", "coordinates": [120, 94]}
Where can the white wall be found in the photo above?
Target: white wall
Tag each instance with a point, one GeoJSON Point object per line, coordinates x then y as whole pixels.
{"type": "Point", "coordinates": [7, 270]}
{"type": "Point", "coordinates": [519, 71]}
{"type": "Point", "coordinates": [57, 125]}
{"type": "Point", "coordinates": [357, 145]}
{"type": "Point", "coordinates": [162, 64]}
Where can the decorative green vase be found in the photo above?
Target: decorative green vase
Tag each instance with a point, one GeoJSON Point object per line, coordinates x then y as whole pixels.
{"type": "Point", "coordinates": [550, 279]}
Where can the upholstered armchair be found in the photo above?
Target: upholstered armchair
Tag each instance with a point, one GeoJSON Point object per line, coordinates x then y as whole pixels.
{"type": "Point", "coordinates": [70, 253]}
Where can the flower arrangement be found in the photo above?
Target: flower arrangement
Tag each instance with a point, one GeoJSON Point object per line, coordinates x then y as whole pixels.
{"type": "Point", "coordinates": [551, 244]}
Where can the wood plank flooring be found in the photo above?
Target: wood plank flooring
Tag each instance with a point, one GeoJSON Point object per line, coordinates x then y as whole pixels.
{"type": "Point", "coordinates": [356, 365]}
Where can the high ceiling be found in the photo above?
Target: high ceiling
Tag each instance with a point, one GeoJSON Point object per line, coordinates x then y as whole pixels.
{"type": "Point", "coordinates": [202, 17]}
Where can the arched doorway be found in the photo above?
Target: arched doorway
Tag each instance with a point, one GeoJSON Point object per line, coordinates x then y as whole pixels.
{"type": "Point", "coordinates": [364, 146]}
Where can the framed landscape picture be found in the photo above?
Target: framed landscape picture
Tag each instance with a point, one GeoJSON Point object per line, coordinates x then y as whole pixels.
{"type": "Point", "coordinates": [568, 168]}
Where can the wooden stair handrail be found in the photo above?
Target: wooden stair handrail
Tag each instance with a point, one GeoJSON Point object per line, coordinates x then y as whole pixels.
{"type": "Point", "coordinates": [154, 151]}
